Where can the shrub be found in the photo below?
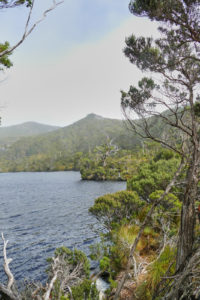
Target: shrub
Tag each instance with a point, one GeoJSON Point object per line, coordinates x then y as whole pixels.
{"type": "Point", "coordinates": [112, 209]}
{"type": "Point", "coordinates": [85, 290]}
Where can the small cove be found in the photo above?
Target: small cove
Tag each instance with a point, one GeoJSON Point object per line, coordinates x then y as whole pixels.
{"type": "Point", "coordinates": [42, 211]}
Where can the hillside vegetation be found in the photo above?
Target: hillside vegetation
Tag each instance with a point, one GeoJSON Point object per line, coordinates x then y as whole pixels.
{"type": "Point", "coordinates": [58, 149]}
{"type": "Point", "coordinates": [36, 147]}
{"type": "Point", "coordinates": [11, 134]}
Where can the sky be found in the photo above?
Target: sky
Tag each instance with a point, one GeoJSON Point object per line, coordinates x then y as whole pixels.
{"type": "Point", "coordinates": [72, 64]}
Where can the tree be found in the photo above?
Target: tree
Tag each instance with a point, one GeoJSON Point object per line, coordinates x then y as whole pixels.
{"type": "Point", "coordinates": [111, 209]}
{"type": "Point", "coordinates": [174, 61]}
{"type": "Point", "coordinates": [152, 175]}
{"type": "Point", "coordinates": [106, 150]}
{"type": "Point", "coordinates": [177, 62]}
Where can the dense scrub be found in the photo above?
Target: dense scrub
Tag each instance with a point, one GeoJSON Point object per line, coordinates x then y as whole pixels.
{"type": "Point", "coordinates": [122, 215]}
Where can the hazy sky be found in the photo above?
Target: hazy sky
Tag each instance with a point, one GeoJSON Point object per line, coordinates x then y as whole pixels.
{"type": "Point", "coordinates": [72, 64]}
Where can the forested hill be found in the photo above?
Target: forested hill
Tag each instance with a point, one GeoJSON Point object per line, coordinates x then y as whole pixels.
{"type": "Point", "coordinates": [82, 136]}
{"type": "Point", "coordinates": [11, 134]}
{"type": "Point", "coordinates": [61, 148]}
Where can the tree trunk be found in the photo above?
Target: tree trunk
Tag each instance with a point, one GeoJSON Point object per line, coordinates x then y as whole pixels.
{"type": "Point", "coordinates": [188, 214]}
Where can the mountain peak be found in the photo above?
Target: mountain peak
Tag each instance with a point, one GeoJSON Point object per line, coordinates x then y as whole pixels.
{"type": "Point", "coordinates": [93, 116]}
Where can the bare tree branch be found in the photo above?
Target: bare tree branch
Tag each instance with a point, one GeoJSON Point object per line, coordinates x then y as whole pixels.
{"type": "Point", "coordinates": [70, 292]}
{"type": "Point", "coordinates": [8, 291]}
{"type": "Point", "coordinates": [5, 292]}
{"type": "Point", "coordinates": [7, 261]}
{"type": "Point", "coordinates": [188, 277]}
{"type": "Point", "coordinates": [27, 29]}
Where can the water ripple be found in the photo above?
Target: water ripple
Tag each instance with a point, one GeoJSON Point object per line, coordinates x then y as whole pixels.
{"type": "Point", "coordinates": [43, 211]}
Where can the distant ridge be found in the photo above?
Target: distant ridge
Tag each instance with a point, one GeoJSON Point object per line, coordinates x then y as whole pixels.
{"type": "Point", "coordinates": [81, 136]}
{"type": "Point", "coordinates": [60, 146]}
{"type": "Point", "coordinates": [10, 134]}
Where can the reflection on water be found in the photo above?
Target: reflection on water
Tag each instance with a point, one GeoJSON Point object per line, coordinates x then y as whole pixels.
{"type": "Point", "coordinates": [42, 211]}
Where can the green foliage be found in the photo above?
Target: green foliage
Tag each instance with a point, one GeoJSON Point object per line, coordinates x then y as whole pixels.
{"type": "Point", "coordinates": [118, 165]}
{"type": "Point", "coordinates": [104, 264]}
{"type": "Point", "coordinates": [13, 3]}
{"type": "Point", "coordinates": [42, 163]}
{"type": "Point", "coordinates": [85, 290]}
{"type": "Point", "coordinates": [197, 108]}
{"type": "Point", "coordinates": [122, 239]}
{"type": "Point", "coordinates": [167, 213]}
{"type": "Point", "coordinates": [164, 263]}
{"type": "Point", "coordinates": [153, 175]}
{"type": "Point", "coordinates": [169, 203]}
{"type": "Point", "coordinates": [81, 286]}
{"type": "Point", "coordinates": [74, 258]}
{"type": "Point", "coordinates": [164, 154]}
{"type": "Point", "coordinates": [174, 12]}
{"type": "Point", "coordinates": [123, 212]}
{"type": "Point", "coordinates": [4, 60]}
{"type": "Point", "coordinates": [111, 209]}
{"type": "Point", "coordinates": [136, 97]}
{"type": "Point", "coordinates": [99, 250]}
{"type": "Point", "coordinates": [73, 148]}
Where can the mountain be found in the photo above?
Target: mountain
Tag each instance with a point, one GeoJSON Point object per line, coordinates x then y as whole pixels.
{"type": "Point", "coordinates": [62, 148]}
{"type": "Point", "coordinates": [11, 134]}
{"type": "Point", "coordinates": [82, 136]}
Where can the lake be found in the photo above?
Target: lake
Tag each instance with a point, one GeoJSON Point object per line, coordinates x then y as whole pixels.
{"type": "Point", "coordinates": [42, 211]}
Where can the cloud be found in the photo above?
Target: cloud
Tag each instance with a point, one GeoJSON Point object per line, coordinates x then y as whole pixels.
{"type": "Point", "coordinates": [86, 79]}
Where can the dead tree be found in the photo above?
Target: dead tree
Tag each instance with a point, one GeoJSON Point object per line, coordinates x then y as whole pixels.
{"type": "Point", "coordinates": [8, 291]}
{"type": "Point", "coordinates": [61, 270]}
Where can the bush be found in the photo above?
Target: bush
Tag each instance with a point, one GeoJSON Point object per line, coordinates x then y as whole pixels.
{"type": "Point", "coordinates": [154, 175]}
{"type": "Point", "coordinates": [112, 209]}
{"type": "Point", "coordinates": [155, 273]}
{"type": "Point", "coordinates": [74, 258]}
{"type": "Point", "coordinates": [85, 290]}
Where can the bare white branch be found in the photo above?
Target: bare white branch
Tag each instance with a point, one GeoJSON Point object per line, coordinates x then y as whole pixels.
{"type": "Point", "coordinates": [70, 292]}
{"type": "Point", "coordinates": [5, 292]}
{"type": "Point", "coordinates": [7, 261]}
{"type": "Point", "coordinates": [50, 287]}
{"type": "Point", "coordinates": [55, 275]}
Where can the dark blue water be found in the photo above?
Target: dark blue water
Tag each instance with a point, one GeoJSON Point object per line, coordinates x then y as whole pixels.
{"type": "Point", "coordinates": [42, 211]}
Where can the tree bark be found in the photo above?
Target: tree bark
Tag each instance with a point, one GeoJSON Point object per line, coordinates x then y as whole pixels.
{"type": "Point", "coordinates": [188, 215]}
